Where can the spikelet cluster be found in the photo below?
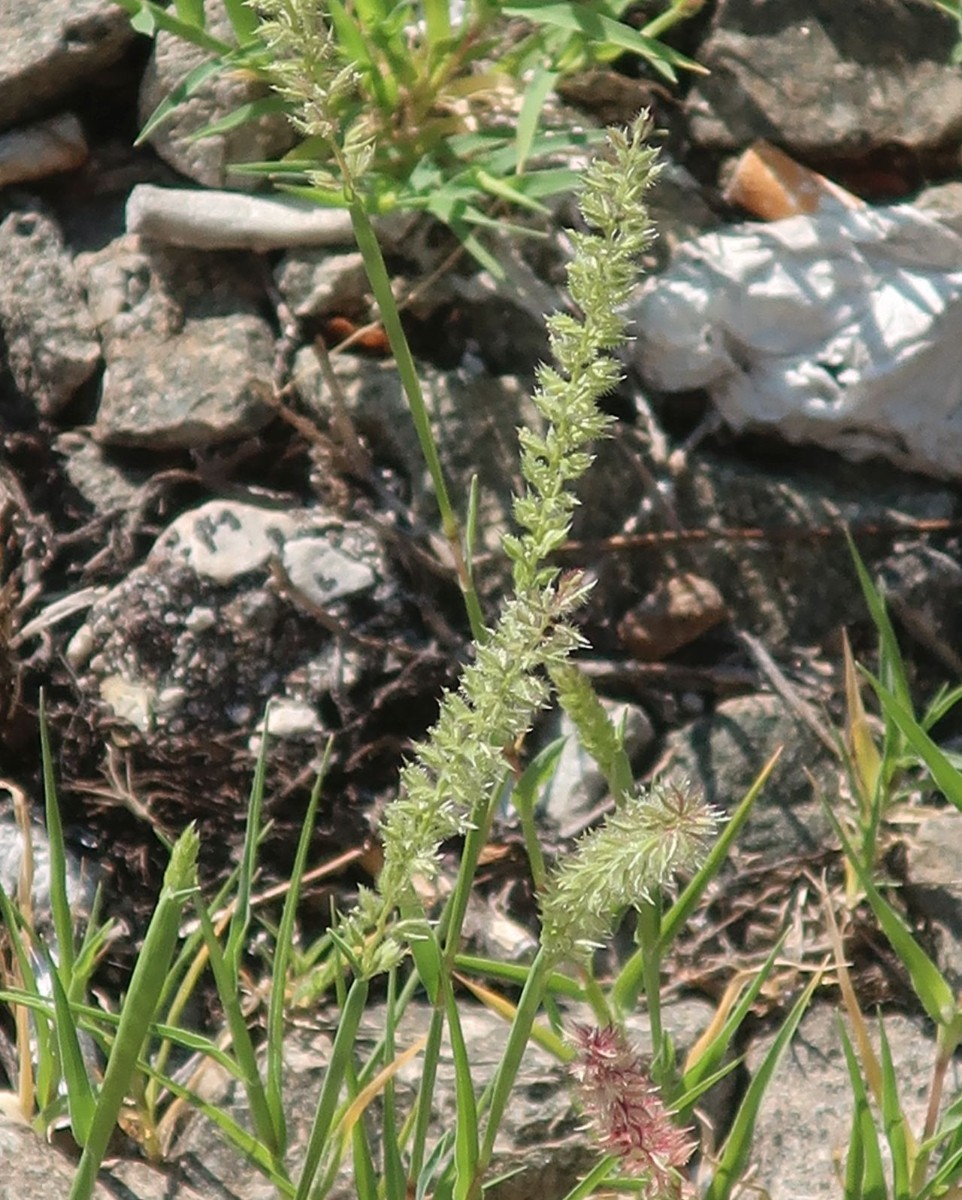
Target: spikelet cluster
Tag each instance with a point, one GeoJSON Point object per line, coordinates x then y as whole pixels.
{"type": "Point", "coordinates": [639, 848]}
{"type": "Point", "coordinates": [627, 1115]}
{"type": "Point", "coordinates": [458, 769]}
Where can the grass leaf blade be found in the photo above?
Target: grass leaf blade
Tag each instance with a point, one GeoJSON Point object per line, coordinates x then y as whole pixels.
{"type": "Point", "coordinates": [734, 1156]}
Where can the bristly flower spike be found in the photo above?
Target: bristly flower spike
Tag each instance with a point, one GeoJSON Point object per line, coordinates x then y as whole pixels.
{"type": "Point", "coordinates": [641, 846]}
{"type": "Point", "coordinates": [627, 1114]}
{"type": "Point", "coordinates": [460, 765]}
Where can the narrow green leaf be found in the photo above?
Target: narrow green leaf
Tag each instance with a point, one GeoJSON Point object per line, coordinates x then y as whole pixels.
{"type": "Point", "coordinates": [59, 904]}
{"type": "Point", "coordinates": [499, 155]}
{"type": "Point", "coordinates": [140, 1003]}
{"type": "Point", "coordinates": [341, 1053]}
{"type": "Point", "coordinates": [949, 1172]}
{"type": "Point", "coordinates": [325, 197]}
{"type": "Point", "coordinates": [498, 1092]}
{"type": "Point", "coordinates": [536, 92]}
{"type": "Point", "coordinates": [894, 677]}
{"type": "Point", "coordinates": [182, 980]}
{"type": "Point", "coordinates": [548, 182]}
{"type": "Point", "coordinates": [351, 41]}
{"type": "Point", "coordinates": [603, 31]}
{"type": "Point", "coordinates": [471, 524]}
{"type": "Point", "coordinates": [162, 18]}
{"type": "Point", "coordinates": [437, 19]}
{"type": "Point", "coordinates": [930, 987]}
{"type": "Point", "coordinates": [940, 706]}
{"type": "Point", "coordinates": [46, 1061]}
{"type": "Point", "coordinates": [243, 114]}
{"type": "Point", "coordinates": [466, 1127]}
{"type": "Point", "coordinates": [365, 1176]}
{"type": "Point", "coordinates": [282, 957]}
{"type": "Point", "coordinates": [227, 989]}
{"type": "Point", "coordinates": [191, 12]}
{"type": "Point", "coordinates": [428, 1177]}
{"type": "Point", "coordinates": [735, 1153]}
{"type": "Point", "coordinates": [679, 913]}
{"type": "Point", "coordinates": [866, 1169]}
{"type": "Point", "coordinates": [945, 775]}
{"type": "Point", "coordinates": [381, 286]}
{"type": "Point", "coordinates": [372, 13]}
{"type": "Point", "coordinates": [355, 48]}
{"type": "Point", "coordinates": [395, 1179]}
{"type": "Point", "coordinates": [692, 1095]}
{"type": "Point", "coordinates": [81, 1103]}
{"type": "Point", "coordinates": [182, 92]}
{"type": "Point", "coordinates": [502, 189]}
{"type": "Point", "coordinates": [96, 937]}
{"type": "Point", "coordinates": [517, 973]}
{"type": "Point", "coordinates": [243, 19]}
{"type": "Point", "coordinates": [894, 1121]}
{"type": "Point", "coordinates": [712, 1055]}
{"type": "Point", "coordinates": [95, 1021]}
{"type": "Point", "coordinates": [454, 214]}
{"type": "Point", "coordinates": [854, 1159]}
{"type": "Point", "coordinates": [249, 1147]}
{"type": "Point", "coordinates": [526, 794]}
{"type": "Point", "coordinates": [594, 1179]}
{"type": "Point", "coordinates": [15, 926]}
{"type": "Point", "coordinates": [241, 916]}
{"type": "Point", "coordinates": [420, 1168]}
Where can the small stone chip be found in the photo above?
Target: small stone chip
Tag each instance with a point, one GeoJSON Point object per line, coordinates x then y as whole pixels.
{"type": "Point", "coordinates": [672, 615]}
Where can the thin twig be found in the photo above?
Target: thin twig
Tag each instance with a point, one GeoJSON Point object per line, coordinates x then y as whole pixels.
{"type": "Point", "coordinates": [788, 692]}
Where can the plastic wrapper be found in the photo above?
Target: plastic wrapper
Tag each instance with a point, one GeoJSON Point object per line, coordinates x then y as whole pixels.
{"type": "Point", "coordinates": [842, 328]}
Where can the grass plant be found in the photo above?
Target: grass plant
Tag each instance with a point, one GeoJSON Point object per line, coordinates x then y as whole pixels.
{"type": "Point", "coordinates": [449, 95]}
{"type": "Point", "coordinates": [451, 789]}
{"type": "Point", "coordinates": [927, 1163]}
{"type": "Point", "coordinates": [95, 1069]}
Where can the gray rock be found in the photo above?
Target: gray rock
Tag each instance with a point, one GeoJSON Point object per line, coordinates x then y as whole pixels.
{"type": "Point", "coordinates": [794, 583]}
{"type": "Point", "coordinates": [208, 160]}
{"type": "Point", "coordinates": [504, 317]}
{"type": "Point", "coordinates": [224, 541]}
{"type": "Point", "coordinates": [52, 345]}
{"type": "Point", "coordinates": [816, 78]}
{"type": "Point", "coordinates": [491, 933]}
{"type": "Point", "coordinates": [315, 283]}
{"type": "Point", "coordinates": [50, 46]}
{"type": "Point", "coordinates": [803, 1130]}
{"type": "Point", "coordinates": [34, 1170]}
{"type": "Point", "coordinates": [204, 633]}
{"type": "Point", "coordinates": [211, 385]}
{"type": "Point", "coordinates": [474, 418]}
{"type": "Point", "coordinates": [106, 487]}
{"type": "Point", "coordinates": [220, 220]}
{"type": "Point", "coordinates": [923, 587]}
{"type": "Point", "coordinates": [786, 587]}
{"type": "Point", "coordinates": [943, 201]}
{"type": "Point", "coordinates": [189, 357]}
{"type": "Point", "coordinates": [722, 755]}
{"type": "Point", "coordinates": [934, 886]}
